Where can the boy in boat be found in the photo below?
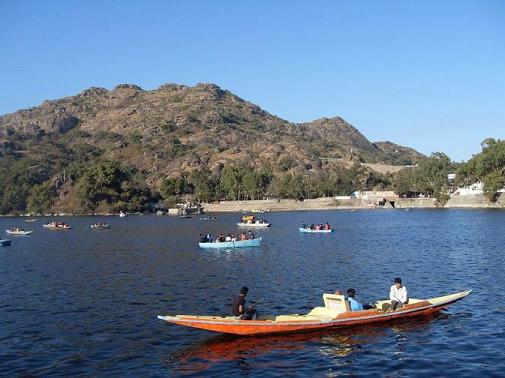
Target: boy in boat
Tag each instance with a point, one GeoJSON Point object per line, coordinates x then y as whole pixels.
{"type": "Point", "coordinates": [398, 294]}
{"type": "Point", "coordinates": [238, 306]}
{"type": "Point", "coordinates": [250, 235]}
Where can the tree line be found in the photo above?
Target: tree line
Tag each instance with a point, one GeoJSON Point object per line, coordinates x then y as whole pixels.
{"type": "Point", "coordinates": [107, 186]}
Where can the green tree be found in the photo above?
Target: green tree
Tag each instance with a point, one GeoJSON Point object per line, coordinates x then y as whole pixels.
{"type": "Point", "coordinates": [41, 197]}
{"type": "Point", "coordinates": [488, 166]}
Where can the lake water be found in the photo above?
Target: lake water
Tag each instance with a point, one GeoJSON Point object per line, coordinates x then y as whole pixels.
{"type": "Point", "coordinates": [84, 302]}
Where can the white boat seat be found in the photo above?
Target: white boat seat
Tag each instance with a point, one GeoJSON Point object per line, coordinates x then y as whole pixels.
{"type": "Point", "coordinates": [333, 305]}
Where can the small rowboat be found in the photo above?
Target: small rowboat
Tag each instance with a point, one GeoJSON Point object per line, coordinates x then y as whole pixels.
{"type": "Point", "coordinates": [309, 231]}
{"type": "Point", "coordinates": [18, 232]}
{"type": "Point", "coordinates": [31, 220]}
{"type": "Point", "coordinates": [4, 242]}
{"type": "Point", "coordinates": [334, 314]}
{"type": "Point", "coordinates": [232, 244]}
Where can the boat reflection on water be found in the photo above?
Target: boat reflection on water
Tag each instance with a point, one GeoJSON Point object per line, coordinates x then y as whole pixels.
{"type": "Point", "coordinates": [334, 343]}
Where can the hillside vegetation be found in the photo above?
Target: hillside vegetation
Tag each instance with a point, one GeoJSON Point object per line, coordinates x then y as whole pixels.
{"type": "Point", "coordinates": [107, 150]}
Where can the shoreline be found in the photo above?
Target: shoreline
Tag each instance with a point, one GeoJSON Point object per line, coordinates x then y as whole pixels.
{"type": "Point", "coordinates": [477, 201]}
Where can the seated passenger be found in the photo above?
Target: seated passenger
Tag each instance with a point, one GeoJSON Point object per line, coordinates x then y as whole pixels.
{"type": "Point", "coordinates": [203, 238]}
{"type": "Point", "coordinates": [355, 305]}
{"type": "Point", "coordinates": [398, 294]}
{"type": "Point", "coordinates": [243, 236]}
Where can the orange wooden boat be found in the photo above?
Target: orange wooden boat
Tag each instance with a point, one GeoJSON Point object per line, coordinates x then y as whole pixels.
{"type": "Point", "coordinates": [335, 313]}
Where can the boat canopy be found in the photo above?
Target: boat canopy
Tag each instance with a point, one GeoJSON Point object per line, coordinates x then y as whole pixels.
{"type": "Point", "coordinates": [246, 218]}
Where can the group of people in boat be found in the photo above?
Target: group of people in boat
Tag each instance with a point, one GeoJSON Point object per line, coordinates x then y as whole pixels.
{"type": "Point", "coordinates": [231, 237]}
{"type": "Point", "coordinates": [397, 295]}
{"type": "Point", "coordinates": [17, 229]}
{"type": "Point", "coordinates": [317, 227]}
{"type": "Point", "coordinates": [99, 225]}
{"type": "Point", "coordinates": [54, 224]}
{"type": "Point", "coordinates": [248, 219]}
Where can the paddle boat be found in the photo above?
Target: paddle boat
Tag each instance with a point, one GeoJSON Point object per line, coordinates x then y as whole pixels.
{"type": "Point", "coordinates": [309, 230]}
{"type": "Point", "coordinates": [122, 214]}
{"type": "Point", "coordinates": [31, 220]}
{"type": "Point", "coordinates": [4, 242]}
{"type": "Point", "coordinates": [335, 313]}
{"type": "Point", "coordinates": [252, 221]}
{"type": "Point", "coordinates": [232, 244]}
{"type": "Point", "coordinates": [18, 231]}
{"type": "Point", "coordinates": [261, 211]}
{"type": "Point", "coordinates": [57, 226]}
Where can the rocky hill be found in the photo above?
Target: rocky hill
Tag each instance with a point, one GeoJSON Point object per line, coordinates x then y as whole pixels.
{"type": "Point", "coordinates": [177, 128]}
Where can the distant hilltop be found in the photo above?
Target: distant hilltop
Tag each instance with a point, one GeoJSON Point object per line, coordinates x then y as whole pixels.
{"type": "Point", "coordinates": [176, 128]}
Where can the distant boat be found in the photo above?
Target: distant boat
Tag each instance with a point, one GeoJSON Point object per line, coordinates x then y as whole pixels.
{"type": "Point", "coordinates": [99, 226]}
{"type": "Point", "coordinates": [209, 219]}
{"type": "Point", "coordinates": [262, 211]}
{"type": "Point", "coordinates": [186, 216]}
{"type": "Point", "coordinates": [255, 224]}
{"type": "Point", "coordinates": [122, 214]}
{"type": "Point", "coordinates": [31, 220]}
{"type": "Point", "coordinates": [18, 231]}
{"type": "Point", "coordinates": [57, 226]}
{"type": "Point", "coordinates": [4, 242]}
{"type": "Point", "coordinates": [310, 231]}
{"type": "Point", "coordinates": [232, 244]}
{"type": "Point", "coordinates": [252, 221]}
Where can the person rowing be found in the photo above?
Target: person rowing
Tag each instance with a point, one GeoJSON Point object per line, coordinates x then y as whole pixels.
{"type": "Point", "coordinates": [238, 306]}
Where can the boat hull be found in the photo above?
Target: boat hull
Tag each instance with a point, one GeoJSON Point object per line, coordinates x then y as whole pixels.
{"type": "Point", "coordinates": [5, 242]}
{"type": "Point", "coordinates": [309, 231]}
{"type": "Point", "coordinates": [306, 323]}
{"type": "Point", "coordinates": [20, 233]}
{"type": "Point", "coordinates": [235, 244]}
{"type": "Point", "coordinates": [254, 225]}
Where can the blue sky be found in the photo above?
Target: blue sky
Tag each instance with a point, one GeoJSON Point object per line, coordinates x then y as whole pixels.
{"type": "Point", "coordinates": [426, 74]}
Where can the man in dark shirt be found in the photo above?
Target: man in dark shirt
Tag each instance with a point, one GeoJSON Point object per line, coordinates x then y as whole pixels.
{"type": "Point", "coordinates": [238, 306]}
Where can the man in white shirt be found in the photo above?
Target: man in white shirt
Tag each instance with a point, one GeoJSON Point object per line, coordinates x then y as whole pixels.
{"type": "Point", "coordinates": [398, 294]}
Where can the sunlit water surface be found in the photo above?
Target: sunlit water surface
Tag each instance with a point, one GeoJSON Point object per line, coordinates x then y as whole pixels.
{"type": "Point", "coordinates": [84, 302]}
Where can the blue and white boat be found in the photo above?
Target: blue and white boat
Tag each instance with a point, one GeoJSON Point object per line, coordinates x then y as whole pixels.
{"type": "Point", "coordinates": [4, 242]}
{"type": "Point", "coordinates": [232, 244]}
{"type": "Point", "coordinates": [310, 231]}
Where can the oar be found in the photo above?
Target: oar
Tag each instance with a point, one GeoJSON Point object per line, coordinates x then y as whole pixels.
{"type": "Point", "coordinates": [257, 302]}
